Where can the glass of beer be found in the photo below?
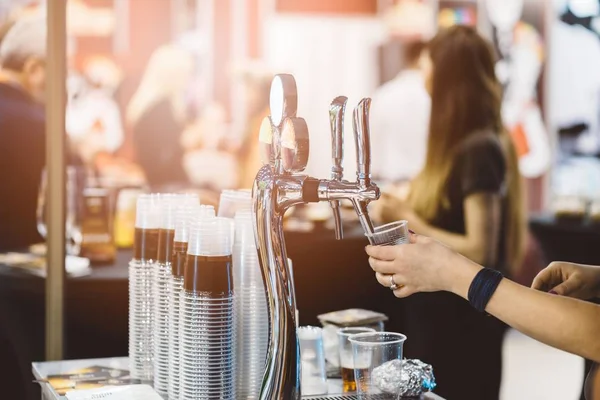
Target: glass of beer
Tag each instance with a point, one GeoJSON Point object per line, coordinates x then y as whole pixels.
{"type": "Point", "coordinates": [389, 234]}
{"type": "Point", "coordinates": [346, 356]}
{"type": "Point", "coordinates": [371, 350]}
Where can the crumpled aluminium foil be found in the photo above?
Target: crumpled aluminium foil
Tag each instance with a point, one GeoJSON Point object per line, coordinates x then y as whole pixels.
{"type": "Point", "coordinates": [407, 378]}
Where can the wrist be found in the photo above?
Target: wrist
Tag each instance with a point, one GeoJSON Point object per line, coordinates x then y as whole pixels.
{"type": "Point", "coordinates": [462, 276]}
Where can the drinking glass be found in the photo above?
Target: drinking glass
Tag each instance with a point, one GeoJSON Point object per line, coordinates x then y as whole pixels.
{"type": "Point", "coordinates": [371, 350]}
{"type": "Point", "coordinates": [347, 357]}
{"type": "Point", "coordinates": [313, 379]}
{"type": "Point", "coordinates": [389, 234]}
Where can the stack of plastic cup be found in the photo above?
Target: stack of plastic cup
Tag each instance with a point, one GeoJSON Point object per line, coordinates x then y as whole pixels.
{"type": "Point", "coordinates": [208, 330]}
{"type": "Point", "coordinates": [141, 297]}
{"type": "Point", "coordinates": [251, 312]}
{"type": "Point", "coordinates": [232, 201]}
{"type": "Point", "coordinates": [183, 218]}
{"type": "Point", "coordinates": [162, 291]}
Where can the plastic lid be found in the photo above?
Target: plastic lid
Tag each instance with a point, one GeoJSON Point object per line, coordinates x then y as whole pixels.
{"type": "Point", "coordinates": [210, 236]}
{"type": "Point", "coordinates": [147, 212]}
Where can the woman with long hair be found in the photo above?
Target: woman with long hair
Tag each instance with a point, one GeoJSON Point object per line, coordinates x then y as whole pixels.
{"type": "Point", "coordinates": [469, 197]}
{"type": "Point", "coordinates": [156, 115]}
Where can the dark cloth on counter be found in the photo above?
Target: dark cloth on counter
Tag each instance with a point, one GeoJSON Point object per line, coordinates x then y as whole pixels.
{"type": "Point", "coordinates": [156, 137]}
{"type": "Point", "coordinates": [22, 158]}
{"type": "Point", "coordinates": [463, 345]}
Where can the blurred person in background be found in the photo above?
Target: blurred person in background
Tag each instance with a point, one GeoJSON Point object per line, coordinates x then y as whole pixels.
{"type": "Point", "coordinates": [468, 196]}
{"type": "Point", "coordinates": [22, 129]}
{"type": "Point", "coordinates": [257, 81]}
{"type": "Point", "coordinates": [399, 121]}
{"type": "Point", "coordinates": [22, 158]}
{"type": "Point", "coordinates": [156, 115]}
{"type": "Point", "coordinates": [93, 116]}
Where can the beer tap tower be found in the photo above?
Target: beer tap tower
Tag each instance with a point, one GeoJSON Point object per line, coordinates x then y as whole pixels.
{"type": "Point", "coordinates": [278, 186]}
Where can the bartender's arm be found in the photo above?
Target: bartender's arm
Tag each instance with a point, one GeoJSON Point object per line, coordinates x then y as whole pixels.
{"type": "Point", "coordinates": [427, 266]}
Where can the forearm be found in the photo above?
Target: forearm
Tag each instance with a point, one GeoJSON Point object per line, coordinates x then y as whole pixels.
{"type": "Point", "coordinates": [562, 322]}
{"type": "Point", "coordinates": [459, 243]}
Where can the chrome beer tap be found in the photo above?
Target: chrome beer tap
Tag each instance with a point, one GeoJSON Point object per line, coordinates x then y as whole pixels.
{"type": "Point", "coordinates": [278, 186]}
{"type": "Point", "coordinates": [337, 110]}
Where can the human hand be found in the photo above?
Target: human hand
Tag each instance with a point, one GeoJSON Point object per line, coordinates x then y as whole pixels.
{"type": "Point", "coordinates": [569, 279]}
{"type": "Point", "coordinates": [424, 265]}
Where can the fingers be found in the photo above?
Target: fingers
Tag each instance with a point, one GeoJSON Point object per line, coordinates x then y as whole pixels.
{"type": "Point", "coordinates": [385, 279]}
{"type": "Point", "coordinates": [384, 253]}
{"type": "Point", "coordinates": [403, 292]}
{"type": "Point", "coordinates": [384, 267]}
{"type": "Point", "coordinates": [548, 277]}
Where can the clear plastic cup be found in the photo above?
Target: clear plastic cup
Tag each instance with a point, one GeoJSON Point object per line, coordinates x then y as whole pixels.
{"type": "Point", "coordinates": [370, 351]}
{"type": "Point", "coordinates": [347, 357]}
{"type": "Point", "coordinates": [389, 234]}
{"type": "Point", "coordinates": [313, 380]}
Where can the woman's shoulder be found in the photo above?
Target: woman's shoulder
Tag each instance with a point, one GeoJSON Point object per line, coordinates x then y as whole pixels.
{"type": "Point", "coordinates": [483, 142]}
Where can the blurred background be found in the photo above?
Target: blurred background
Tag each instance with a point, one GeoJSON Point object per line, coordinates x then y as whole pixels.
{"type": "Point", "coordinates": [213, 60]}
{"type": "Point", "coordinates": [169, 95]}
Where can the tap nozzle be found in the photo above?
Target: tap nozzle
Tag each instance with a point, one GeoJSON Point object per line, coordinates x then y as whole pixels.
{"type": "Point", "coordinates": [336, 120]}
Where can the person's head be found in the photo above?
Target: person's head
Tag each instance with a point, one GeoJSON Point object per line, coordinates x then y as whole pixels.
{"type": "Point", "coordinates": [412, 53]}
{"type": "Point", "coordinates": [466, 100]}
{"type": "Point", "coordinates": [504, 14]}
{"type": "Point", "coordinates": [23, 53]}
{"type": "Point", "coordinates": [168, 72]}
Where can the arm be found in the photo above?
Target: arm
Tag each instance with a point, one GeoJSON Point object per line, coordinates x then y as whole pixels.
{"type": "Point", "coordinates": [482, 222]}
{"type": "Point", "coordinates": [562, 322]}
{"type": "Point", "coordinates": [426, 265]}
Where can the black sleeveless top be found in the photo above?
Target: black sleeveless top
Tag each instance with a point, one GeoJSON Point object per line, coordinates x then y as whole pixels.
{"type": "Point", "coordinates": [479, 167]}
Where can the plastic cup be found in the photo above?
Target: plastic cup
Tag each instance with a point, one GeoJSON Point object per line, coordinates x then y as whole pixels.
{"type": "Point", "coordinates": [347, 357]}
{"type": "Point", "coordinates": [313, 380]}
{"type": "Point", "coordinates": [371, 350]}
{"type": "Point", "coordinates": [390, 234]}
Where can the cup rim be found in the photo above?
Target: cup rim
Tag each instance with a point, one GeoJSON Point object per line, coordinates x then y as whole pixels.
{"type": "Point", "coordinates": [378, 230]}
{"type": "Point", "coordinates": [400, 338]}
{"type": "Point", "coordinates": [365, 329]}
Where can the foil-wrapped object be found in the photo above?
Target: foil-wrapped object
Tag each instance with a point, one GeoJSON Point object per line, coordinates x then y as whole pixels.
{"type": "Point", "coordinates": [406, 378]}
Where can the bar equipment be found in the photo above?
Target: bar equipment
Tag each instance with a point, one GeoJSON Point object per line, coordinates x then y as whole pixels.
{"type": "Point", "coordinates": [284, 144]}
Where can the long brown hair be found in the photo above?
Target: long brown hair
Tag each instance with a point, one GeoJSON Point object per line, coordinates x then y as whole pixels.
{"type": "Point", "coordinates": [466, 101]}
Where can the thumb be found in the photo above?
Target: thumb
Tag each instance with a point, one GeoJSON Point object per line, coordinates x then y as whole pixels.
{"type": "Point", "coordinates": [415, 238]}
{"type": "Point", "coordinates": [563, 289]}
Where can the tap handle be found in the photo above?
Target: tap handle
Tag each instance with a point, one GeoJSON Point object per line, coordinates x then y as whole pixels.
{"type": "Point", "coordinates": [336, 119]}
{"type": "Point", "coordinates": [362, 138]}
{"type": "Point", "coordinates": [337, 110]}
